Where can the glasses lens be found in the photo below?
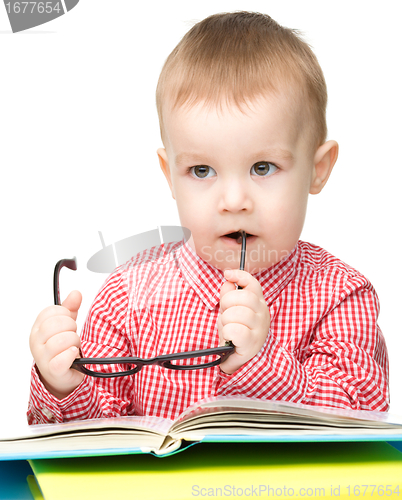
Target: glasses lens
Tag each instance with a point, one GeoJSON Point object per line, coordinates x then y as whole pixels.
{"type": "Point", "coordinates": [110, 370]}
{"type": "Point", "coordinates": [196, 361]}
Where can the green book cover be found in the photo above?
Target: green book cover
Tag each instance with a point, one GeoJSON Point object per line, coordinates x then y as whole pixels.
{"type": "Point", "coordinates": [341, 470]}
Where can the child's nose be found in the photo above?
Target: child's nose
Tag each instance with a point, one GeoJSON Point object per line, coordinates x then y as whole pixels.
{"type": "Point", "coordinates": [235, 196]}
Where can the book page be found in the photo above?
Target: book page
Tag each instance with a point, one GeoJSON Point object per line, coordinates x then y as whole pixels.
{"type": "Point", "coordinates": [121, 434]}
{"type": "Point", "coordinates": [214, 415]}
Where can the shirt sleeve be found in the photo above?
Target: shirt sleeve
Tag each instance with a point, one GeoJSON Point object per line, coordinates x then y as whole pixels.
{"type": "Point", "coordinates": [104, 335]}
{"type": "Point", "coordinates": [345, 364]}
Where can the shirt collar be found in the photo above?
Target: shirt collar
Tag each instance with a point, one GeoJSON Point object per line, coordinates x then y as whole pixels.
{"type": "Point", "coordinates": [207, 281]}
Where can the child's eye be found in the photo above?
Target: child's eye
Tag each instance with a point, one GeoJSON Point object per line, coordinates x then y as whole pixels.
{"type": "Point", "coordinates": [202, 171]}
{"type": "Point", "coordinates": [263, 168]}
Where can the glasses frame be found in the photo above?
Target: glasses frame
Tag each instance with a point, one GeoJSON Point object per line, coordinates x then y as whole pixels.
{"type": "Point", "coordinates": [164, 360]}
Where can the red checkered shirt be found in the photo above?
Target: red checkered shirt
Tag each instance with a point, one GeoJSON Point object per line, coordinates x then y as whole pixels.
{"type": "Point", "coordinates": [324, 346]}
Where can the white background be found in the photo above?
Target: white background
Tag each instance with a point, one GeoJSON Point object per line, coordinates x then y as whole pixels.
{"type": "Point", "coordinates": [79, 133]}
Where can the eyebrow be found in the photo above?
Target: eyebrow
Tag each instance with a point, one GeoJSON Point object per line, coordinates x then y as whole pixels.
{"type": "Point", "coordinates": [192, 158]}
{"type": "Point", "coordinates": [274, 153]}
{"type": "Point", "coordinates": [280, 153]}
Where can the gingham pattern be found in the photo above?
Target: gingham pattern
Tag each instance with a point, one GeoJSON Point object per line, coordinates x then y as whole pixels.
{"type": "Point", "coordinates": [323, 348]}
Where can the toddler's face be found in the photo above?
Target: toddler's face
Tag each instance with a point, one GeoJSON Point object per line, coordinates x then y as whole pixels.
{"type": "Point", "coordinates": [230, 170]}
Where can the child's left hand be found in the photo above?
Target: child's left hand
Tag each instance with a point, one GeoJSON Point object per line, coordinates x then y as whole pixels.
{"type": "Point", "coordinates": [244, 318]}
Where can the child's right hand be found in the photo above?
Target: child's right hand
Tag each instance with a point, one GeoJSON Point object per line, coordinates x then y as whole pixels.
{"type": "Point", "coordinates": [55, 344]}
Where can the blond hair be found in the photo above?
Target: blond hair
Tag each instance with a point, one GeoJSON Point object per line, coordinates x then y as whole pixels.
{"type": "Point", "coordinates": [240, 56]}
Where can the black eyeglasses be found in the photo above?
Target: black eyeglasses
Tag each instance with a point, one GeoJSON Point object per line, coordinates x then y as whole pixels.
{"type": "Point", "coordinates": [124, 366]}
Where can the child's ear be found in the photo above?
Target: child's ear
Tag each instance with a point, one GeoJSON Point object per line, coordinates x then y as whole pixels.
{"type": "Point", "coordinates": [324, 160]}
{"type": "Point", "coordinates": [164, 164]}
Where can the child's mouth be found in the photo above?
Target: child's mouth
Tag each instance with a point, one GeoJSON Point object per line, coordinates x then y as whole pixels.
{"type": "Point", "coordinates": [237, 236]}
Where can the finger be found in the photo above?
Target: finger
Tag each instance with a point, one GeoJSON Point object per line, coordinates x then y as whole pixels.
{"type": "Point", "coordinates": [239, 315]}
{"type": "Point", "coordinates": [243, 298]}
{"type": "Point", "coordinates": [52, 326]}
{"type": "Point", "coordinates": [243, 279]}
{"type": "Point", "coordinates": [60, 343]}
{"type": "Point", "coordinates": [60, 364]}
{"type": "Point", "coordinates": [48, 313]}
{"type": "Point", "coordinates": [238, 334]}
{"type": "Point", "coordinates": [73, 303]}
{"type": "Point", "coordinates": [227, 287]}
{"type": "Point", "coordinates": [219, 325]}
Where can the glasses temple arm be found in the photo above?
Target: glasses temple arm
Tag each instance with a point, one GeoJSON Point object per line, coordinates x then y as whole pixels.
{"type": "Point", "coordinates": [71, 264]}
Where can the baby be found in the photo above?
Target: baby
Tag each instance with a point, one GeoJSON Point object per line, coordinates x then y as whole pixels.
{"type": "Point", "coordinates": [241, 103]}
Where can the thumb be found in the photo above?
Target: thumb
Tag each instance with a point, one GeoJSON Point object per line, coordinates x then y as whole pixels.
{"type": "Point", "coordinates": [73, 302]}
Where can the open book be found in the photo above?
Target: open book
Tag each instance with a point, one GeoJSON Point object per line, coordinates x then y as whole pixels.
{"type": "Point", "coordinates": [210, 420]}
